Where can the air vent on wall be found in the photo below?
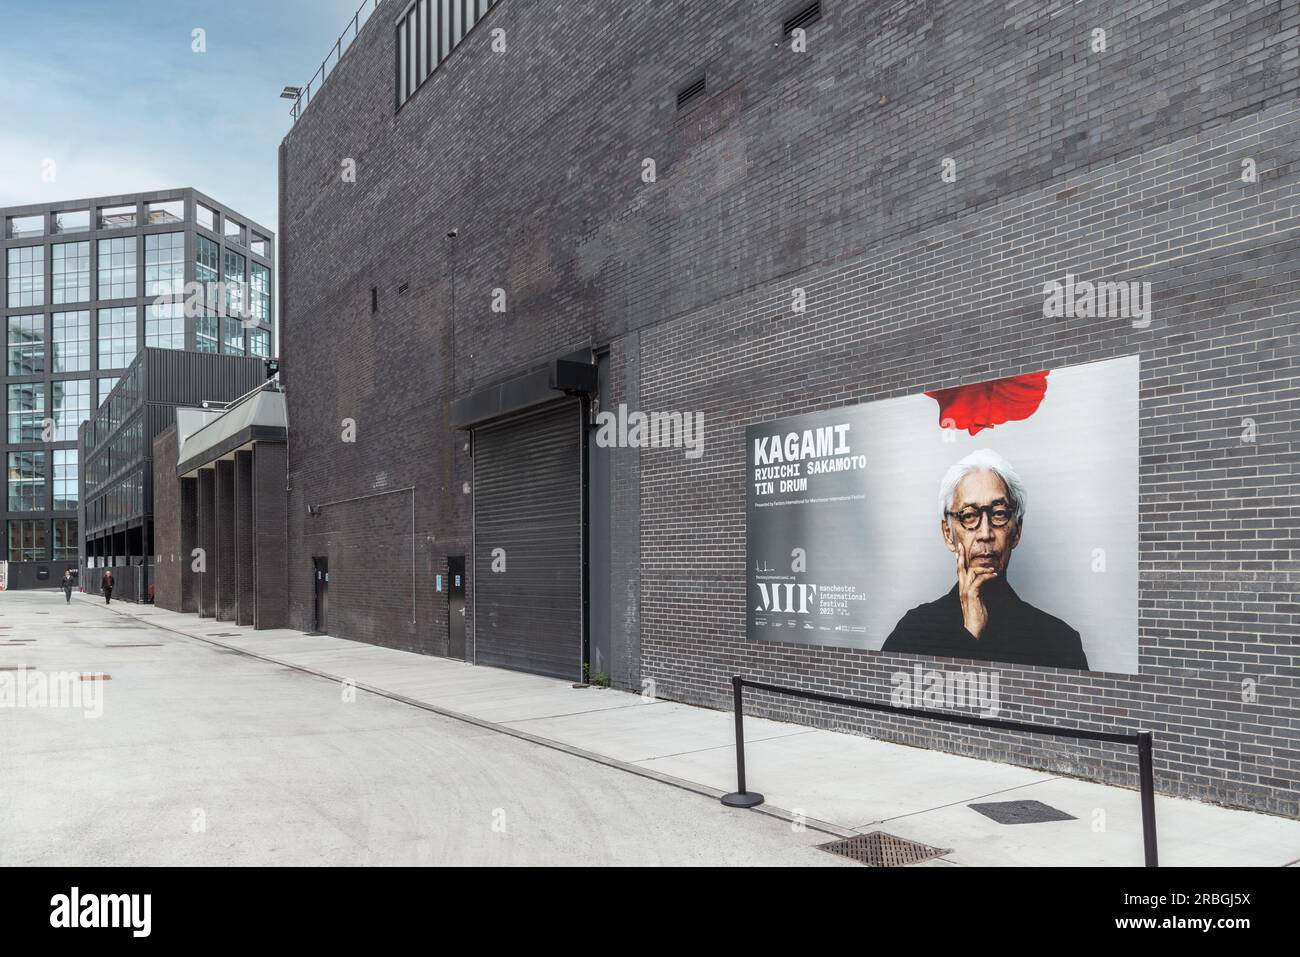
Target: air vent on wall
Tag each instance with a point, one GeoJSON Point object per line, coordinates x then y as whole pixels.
{"type": "Point", "coordinates": [804, 18]}
{"type": "Point", "coordinates": [401, 290]}
{"type": "Point", "coordinates": [692, 91]}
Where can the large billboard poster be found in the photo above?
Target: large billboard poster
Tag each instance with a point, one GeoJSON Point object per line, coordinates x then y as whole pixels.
{"type": "Point", "coordinates": [995, 521]}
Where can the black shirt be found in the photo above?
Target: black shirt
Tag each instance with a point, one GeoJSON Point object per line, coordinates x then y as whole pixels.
{"type": "Point", "coordinates": [1016, 632]}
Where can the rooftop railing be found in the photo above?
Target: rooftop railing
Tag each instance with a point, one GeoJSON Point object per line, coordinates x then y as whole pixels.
{"type": "Point", "coordinates": [303, 97]}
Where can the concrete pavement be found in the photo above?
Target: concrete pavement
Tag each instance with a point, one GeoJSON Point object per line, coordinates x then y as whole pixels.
{"type": "Point", "coordinates": [840, 784]}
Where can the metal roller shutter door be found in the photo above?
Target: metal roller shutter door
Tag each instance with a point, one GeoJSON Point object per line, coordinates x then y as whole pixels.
{"type": "Point", "coordinates": [528, 501]}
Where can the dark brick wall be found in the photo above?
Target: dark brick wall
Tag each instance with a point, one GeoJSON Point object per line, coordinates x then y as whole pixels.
{"type": "Point", "coordinates": [820, 170]}
{"type": "Point", "coordinates": [224, 519]}
{"type": "Point", "coordinates": [243, 522]}
{"type": "Point", "coordinates": [170, 557]}
{"type": "Point", "coordinates": [270, 609]}
{"type": "Point", "coordinates": [207, 541]}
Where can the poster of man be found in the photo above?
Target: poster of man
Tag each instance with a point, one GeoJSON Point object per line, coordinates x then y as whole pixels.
{"type": "Point", "coordinates": [995, 521]}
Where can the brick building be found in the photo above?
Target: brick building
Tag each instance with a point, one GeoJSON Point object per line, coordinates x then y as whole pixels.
{"type": "Point", "coordinates": [468, 216]}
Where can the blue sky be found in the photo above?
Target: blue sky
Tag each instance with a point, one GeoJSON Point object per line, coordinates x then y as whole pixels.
{"type": "Point", "coordinates": [114, 94]}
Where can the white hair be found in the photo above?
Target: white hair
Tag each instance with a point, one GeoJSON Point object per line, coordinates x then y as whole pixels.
{"type": "Point", "coordinates": [983, 460]}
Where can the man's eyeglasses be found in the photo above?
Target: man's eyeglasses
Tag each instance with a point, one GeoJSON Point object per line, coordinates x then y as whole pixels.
{"type": "Point", "coordinates": [999, 516]}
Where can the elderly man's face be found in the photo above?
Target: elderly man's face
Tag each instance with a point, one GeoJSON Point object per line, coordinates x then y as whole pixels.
{"type": "Point", "coordinates": [986, 546]}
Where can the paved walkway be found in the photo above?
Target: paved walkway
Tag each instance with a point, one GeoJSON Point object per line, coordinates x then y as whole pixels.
{"type": "Point", "coordinates": [838, 783]}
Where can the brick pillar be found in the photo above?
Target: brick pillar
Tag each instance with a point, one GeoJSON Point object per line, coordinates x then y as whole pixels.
{"type": "Point", "coordinates": [189, 596]}
{"type": "Point", "coordinates": [225, 527]}
{"type": "Point", "coordinates": [244, 538]}
{"type": "Point", "coordinates": [271, 558]}
{"type": "Point", "coordinates": [207, 537]}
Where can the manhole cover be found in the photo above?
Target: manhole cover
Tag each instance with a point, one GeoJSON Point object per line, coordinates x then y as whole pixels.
{"type": "Point", "coordinates": [879, 849]}
{"type": "Point", "coordinates": [1021, 812]}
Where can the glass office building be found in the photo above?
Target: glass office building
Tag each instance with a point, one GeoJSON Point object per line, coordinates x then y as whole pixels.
{"type": "Point", "coordinates": [84, 286]}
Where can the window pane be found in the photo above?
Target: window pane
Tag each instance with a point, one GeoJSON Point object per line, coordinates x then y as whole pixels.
{"type": "Point", "coordinates": [27, 481]}
{"type": "Point", "coordinates": [65, 480]}
{"type": "Point", "coordinates": [26, 338]}
{"type": "Point", "coordinates": [72, 221]}
{"type": "Point", "coordinates": [260, 245]}
{"type": "Point", "coordinates": [259, 343]}
{"type": "Point", "coordinates": [207, 269]}
{"type": "Point", "coordinates": [402, 92]}
{"type": "Point", "coordinates": [118, 341]}
{"type": "Point", "coordinates": [117, 268]}
{"type": "Point", "coordinates": [205, 217]}
{"type": "Point", "coordinates": [164, 325]}
{"type": "Point", "coordinates": [164, 264]}
{"type": "Point", "coordinates": [233, 335]}
{"type": "Point", "coordinates": [206, 333]}
{"type": "Point", "coordinates": [25, 227]}
{"type": "Point", "coordinates": [70, 272]}
{"type": "Point", "coordinates": [26, 541]}
{"type": "Point", "coordinates": [26, 277]}
{"type": "Point", "coordinates": [26, 411]}
{"type": "Point", "coordinates": [116, 217]}
{"type": "Point", "coordinates": [165, 212]}
{"type": "Point", "coordinates": [70, 347]}
{"type": "Point", "coordinates": [65, 540]}
{"type": "Point", "coordinates": [235, 265]}
{"type": "Point", "coordinates": [105, 387]}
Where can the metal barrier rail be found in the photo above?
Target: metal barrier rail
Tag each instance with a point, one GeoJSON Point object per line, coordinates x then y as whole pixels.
{"type": "Point", "coordinates": [743, 798]}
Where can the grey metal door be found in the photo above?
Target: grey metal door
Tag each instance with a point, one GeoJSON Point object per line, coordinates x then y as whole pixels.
{"type": "Point", "coordinates": [527, 565]}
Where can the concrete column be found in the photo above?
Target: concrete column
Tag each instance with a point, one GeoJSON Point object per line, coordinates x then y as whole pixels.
{"type": "Point", "coordinates": [207, 538]}
{"type": "Point", "coordinates": [225, 527]}
{"type": "Point", "coordinates": [244, 538]}
{"type": "Point", "coordinates": [189, 541]}
{"type": "Point", "coordinates": [270, 558]}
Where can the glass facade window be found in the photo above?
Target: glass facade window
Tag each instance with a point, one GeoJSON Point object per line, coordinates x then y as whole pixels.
{"type": "Point", "coordinates": [234, 277]}
{"type": "Point", "coordinates": [165, 212]}
{"type": "Point", "coordinates": [164, 264]}
{"type": "Point", "coordinates": [164, 325]}
{"type": "Point", "coordinates": [65, 540]}
{"type": "Point", "coordinates": [259, 284]}
{"type": "Point", "coordinates": [71, 407]}
{"type": "Point", "coordinates": [26, 276]}
{"type": "Point", "coordinates": [261, 246]}
{"type": "Point", "coordinates": [70, 345]}
{"type": "Point", "coordinates": [117, 268]}
{"type": "Point", "coordinates": [65, 480]}
{"type": "Point", "coordinates": [116, 217]}
{"type": "Point", "coordinates": [105, 387]}
{"type": "Point", "coordinates": [26, 411]}
{"type": "Point", "coordinates": [235, 232]}
{"type": "Point", "coordinates": [234, 336]}
{"type": "Point", "coordinates": [27, 541]}
{"type": "Point", "coordinates": [118, 340]}
{"type": "Point", "coordinates": [70, 272]}
{"type": "Point", "coordinates": [72, 221]}
{"type": "Point", "coordinates": [26, 345]}
{"type": "Point", "coordinates": [207, 268]}
{"type": "Point", "coordinates": [25, 227]}
{"type": "Point", "coordinates": [27, 481]}
{"type": "Point", "coordinates": [207, 334]}
{"type": "Point", "coordinates": [205, 217]}
{"type": "Point", "coordinates": [259, 343]}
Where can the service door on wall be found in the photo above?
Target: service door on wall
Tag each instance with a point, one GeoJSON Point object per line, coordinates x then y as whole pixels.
{"type": "Point", "coordinates": [527, 570]}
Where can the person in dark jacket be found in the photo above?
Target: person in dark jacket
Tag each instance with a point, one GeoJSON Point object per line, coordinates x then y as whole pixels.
{"type": "Point", "coordinates": [66, 585]}
{"type": "Point", "coordinates": [106, 586]}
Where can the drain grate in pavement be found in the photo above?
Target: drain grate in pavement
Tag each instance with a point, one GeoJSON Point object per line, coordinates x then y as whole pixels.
{"type": "Point", "coordinates": [879, 849]}
{"type": "Point", "coordinates": [1021, 812]}
{"type": "Point", "coordinates": [223, 634]}
{"type": "Point", "coordinates": [140, 645]}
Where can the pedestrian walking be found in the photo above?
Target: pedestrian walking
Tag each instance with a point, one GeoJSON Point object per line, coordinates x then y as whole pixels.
{"type": "Point", "coordinates": [106, 586]}
{"type": "Point", "coordinates": [66, 585]}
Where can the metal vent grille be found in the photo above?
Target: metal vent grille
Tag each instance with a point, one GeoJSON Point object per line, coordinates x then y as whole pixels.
{"type": "Point", "coordinates": [691, 91]}
{"type": "Point", "coordinates": [1021, 812]}
{"type": "Point", "coordinates": [879, 849]}
{"type": "Point", "coordinates": [804, 18]}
